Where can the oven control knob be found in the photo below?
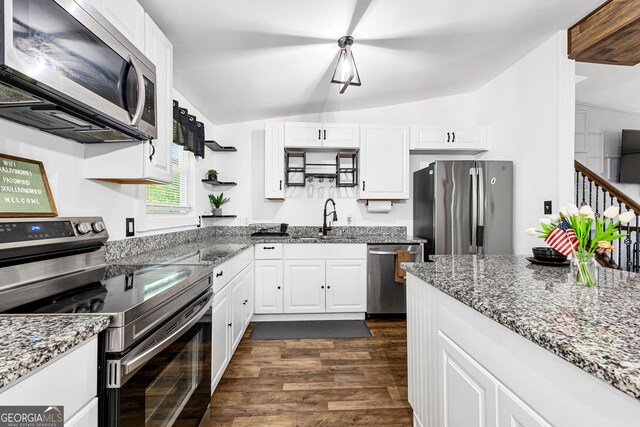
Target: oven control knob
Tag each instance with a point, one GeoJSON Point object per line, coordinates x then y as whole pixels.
{"type": "Point", "coordinates": [84, 227]}
{"type": "Point", "coordinates": [98, 227]}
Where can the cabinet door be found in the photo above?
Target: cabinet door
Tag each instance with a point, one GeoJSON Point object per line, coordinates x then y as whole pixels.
{"type": "Point", "coordinates": [127, 16]}
{"type": "Point", "coordinates": [346, 286]}
{"type": "Point", "coordinates": [248, 294]}
{"type": "Point", "coordinates": [468, 392]}
{"type": "Point", "coordinates": [220, 337]}
{"type": "Point", "coordinates": [274, 161]}
{"type": "Point", "coordinates": [341, 135]}
{"type": "Point", "coordinates": [384, 162]}
{"type": "Point", "coordinates": [158, 164]}
{"type": "Point", "coordinates": [237, 290]}
{"type": "Point", "coordinates": [304, 286]}
{"type": "Point", "coordinates": [268, 287]}
{"type": "Point", "coordinates": [469, 139]}
{"type": "Point", "coordinates": [429, 138]}
{"type": "Point", "coordinates": [513, 412]}
{"type": "Point", "coordinates": [302, 135]}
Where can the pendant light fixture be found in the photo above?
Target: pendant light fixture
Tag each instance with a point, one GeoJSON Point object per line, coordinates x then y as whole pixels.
{"type": "Point", "coordinates": [346, 72]}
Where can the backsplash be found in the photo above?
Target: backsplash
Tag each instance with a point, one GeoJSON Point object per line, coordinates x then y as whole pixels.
{"type": "Point", "coordinates": [125, 248]}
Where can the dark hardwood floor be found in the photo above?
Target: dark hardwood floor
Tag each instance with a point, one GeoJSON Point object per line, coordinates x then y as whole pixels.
{"type": "Point", "coordinates": [325, 382]}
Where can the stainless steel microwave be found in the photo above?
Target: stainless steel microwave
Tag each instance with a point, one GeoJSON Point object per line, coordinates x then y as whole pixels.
{"type": "Point", "coordinates": [66, 70]}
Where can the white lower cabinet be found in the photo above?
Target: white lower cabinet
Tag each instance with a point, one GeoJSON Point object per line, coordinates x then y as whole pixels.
{"type": "Point", "coordinates": [220, 336]}
{"type": "Point", "coordinates": [304, 286]}
{"type": "Point", "coordinates": [515, 413]}
{"type": "Point", "coordinates": [346, 286]}
{"type": "Point", "coordinates": [70, 380]}
{"type": "Point", "coordinates": [269, 295]}
{"type": "Point", "coordinates": [231, 314]}
{"type": "Point", "coordinates": [468, 391]}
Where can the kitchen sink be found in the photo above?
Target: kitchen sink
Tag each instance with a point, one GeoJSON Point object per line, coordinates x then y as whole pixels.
{"type": "Point", "coordinates": [316, 239]}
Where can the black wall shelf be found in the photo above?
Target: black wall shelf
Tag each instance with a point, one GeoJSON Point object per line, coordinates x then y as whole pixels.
{"type": "Point", "coordinates": [218, 216]}
{"type": "Point", "coordinates": [344, 171]}
{"type": "Point", "coordinates": [214, 146]}
{"type": "Point", "coordinates": [219, 183]}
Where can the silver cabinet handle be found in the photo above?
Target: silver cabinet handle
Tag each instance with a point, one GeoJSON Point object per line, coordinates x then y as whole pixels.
{"type": "Point", "coordinates": [141, 93]}
{"type": "Point", "coordinates": [389, 253]}
{"type": "Point", "coordinates": [136, 362]}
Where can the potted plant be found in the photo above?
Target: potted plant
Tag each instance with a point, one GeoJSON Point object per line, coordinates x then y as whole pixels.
{"type": "Point", "coordinates": [217, 202]}
{"type": "Point", "coordinates": [212, 175]}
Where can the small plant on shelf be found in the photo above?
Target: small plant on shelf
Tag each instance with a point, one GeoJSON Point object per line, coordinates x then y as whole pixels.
{"type": "Point", "coordinates": [216, 203]}
{"type": "Point", "coordinates": [212, 175]}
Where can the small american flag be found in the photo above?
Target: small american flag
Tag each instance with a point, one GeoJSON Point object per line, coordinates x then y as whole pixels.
{"type": "Point", "coordinates": [562, 238]}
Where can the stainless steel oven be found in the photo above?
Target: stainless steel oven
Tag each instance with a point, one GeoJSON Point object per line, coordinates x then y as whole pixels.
{"type": "Point", "coordinates": [165, 379]}
{"type": "Point", "coordinates": [66, 70]}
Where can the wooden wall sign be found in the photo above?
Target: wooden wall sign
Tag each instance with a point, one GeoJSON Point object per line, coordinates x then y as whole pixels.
{"type": "Point", "coordinates": [24, 188]}
{"type": "Point", "coordinates": [608, 35]}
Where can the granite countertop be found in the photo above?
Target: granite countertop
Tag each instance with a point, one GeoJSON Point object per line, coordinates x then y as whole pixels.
{"type": "Point", "coordinates": [596, 328]}
{"type": "Point", "coordinates": [28, 342]}
{"type": "Point", "coordinates": [209, 252]}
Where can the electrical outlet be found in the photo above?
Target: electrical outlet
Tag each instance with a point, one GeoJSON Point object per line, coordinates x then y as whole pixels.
{"type": "Point", "coordinates": [131, 227]}
{"type": "Point", "coordinates": [548, 210]}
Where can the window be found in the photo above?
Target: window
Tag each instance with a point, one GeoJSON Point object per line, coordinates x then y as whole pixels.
{"type": "Point", "coordinates": [174, 198]}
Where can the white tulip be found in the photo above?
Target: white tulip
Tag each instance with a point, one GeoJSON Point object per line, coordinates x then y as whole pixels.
{"type": "Point", "coordinates": [611, 212]}
{"type": "Point", "coordinates": [554, 218]}
{"type": "Point", "coordinates": [545, 221]}
{"type": "Point", "coordinates": [572, 210]}
{"type": "Point", "coordinates": [587, 211]}
{"type": "Point", "coordinates": [532, 231]}
{"type": "Point", "coordinates": [626, 217]}
{"type": "Point", "coordinates": [564, 212]}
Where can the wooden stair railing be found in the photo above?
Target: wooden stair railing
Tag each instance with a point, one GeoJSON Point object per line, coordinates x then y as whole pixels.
{"type": "Point", "coordinates": [595, 191]}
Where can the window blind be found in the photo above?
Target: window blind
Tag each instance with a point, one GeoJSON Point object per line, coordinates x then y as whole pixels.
{"type": "Point", "coordinates": [174, 198]}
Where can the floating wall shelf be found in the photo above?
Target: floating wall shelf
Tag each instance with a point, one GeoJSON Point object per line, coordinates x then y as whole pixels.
{"type": "Point", "coordinates": [218, 216]}
{"type": "Point", "coordinates": [219, 183]}
{"type": "Point", "coordinates": [214, 146]}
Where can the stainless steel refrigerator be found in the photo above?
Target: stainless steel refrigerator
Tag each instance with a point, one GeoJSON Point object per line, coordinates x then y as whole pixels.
{"type": "Point", "coordinates": [464, 207]}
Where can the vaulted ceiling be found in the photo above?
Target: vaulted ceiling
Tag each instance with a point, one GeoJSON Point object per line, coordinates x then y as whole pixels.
{"type": "Point", "coordinates": [609, 86]}
{"type": "Point", "coordinates": [240, 60]}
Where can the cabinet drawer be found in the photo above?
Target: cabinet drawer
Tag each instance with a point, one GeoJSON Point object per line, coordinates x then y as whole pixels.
{"type": "Point", "coordinates": [221, 276]}
{"type": "Point", "coordinates": [268, 251]}
{"type": "Point", "coordinates": [325, 251]}
{"type": "Point", "coordinates": [70, 380]}
{"type": "Point", "coordinates": [240, 261]}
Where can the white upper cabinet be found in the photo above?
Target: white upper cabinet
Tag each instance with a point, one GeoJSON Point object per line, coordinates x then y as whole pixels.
{"type": "Point", "coordinates": [127, 16]}
{"type": "Point", "coordinates": [443, 139]}
{"type": "Point", "coordinates": [159, 50]}
{"type": "Point", "coordinates": [321, 135]}
{"type": "Point", "coordinates": [384, 162]}
{"type": "Point", "coordinates": [341, 135]}
{"type": "Point", "coordinates": [149, 162]}
{"type": "Point", "coordinates": [274, 161]}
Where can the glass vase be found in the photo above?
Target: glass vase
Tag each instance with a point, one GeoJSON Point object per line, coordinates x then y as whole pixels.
{"type": "Point", "coordinates": [583, 269]}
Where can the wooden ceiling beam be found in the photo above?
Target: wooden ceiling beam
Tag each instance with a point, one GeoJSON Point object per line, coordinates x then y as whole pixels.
{"type": "Point", "coordinates": [608, 35]}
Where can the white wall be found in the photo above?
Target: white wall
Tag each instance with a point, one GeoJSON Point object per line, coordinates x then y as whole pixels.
{"type": "Point", "coordinates": [610, 122]}
{"type": "Point", "coordinates": [529, 108]}
{"type": "Point", "coordinates": [247, 166]}
{"type": "Point", "coordinates": [75, 195]}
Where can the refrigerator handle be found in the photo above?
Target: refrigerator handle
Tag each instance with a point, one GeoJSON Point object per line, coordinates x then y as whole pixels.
{"type": "Point", "coordinates": [481, 208]}
{"type": "Point", "coordinates": [474, 208]}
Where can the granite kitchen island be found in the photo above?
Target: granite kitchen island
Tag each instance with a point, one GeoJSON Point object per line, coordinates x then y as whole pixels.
{"type": "Point", "coordinates": [494, 339]}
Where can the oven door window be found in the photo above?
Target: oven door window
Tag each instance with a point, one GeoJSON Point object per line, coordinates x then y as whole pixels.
{"type": "Point", "coordinates": [173, 388]}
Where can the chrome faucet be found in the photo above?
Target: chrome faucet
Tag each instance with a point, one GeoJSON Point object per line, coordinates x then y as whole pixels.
{"type": "Point", "coordinates": [325, 215]}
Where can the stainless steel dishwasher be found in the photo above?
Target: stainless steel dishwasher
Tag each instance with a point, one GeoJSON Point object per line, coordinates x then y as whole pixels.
{"type": "Point", "coordinates": [385, 297]}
